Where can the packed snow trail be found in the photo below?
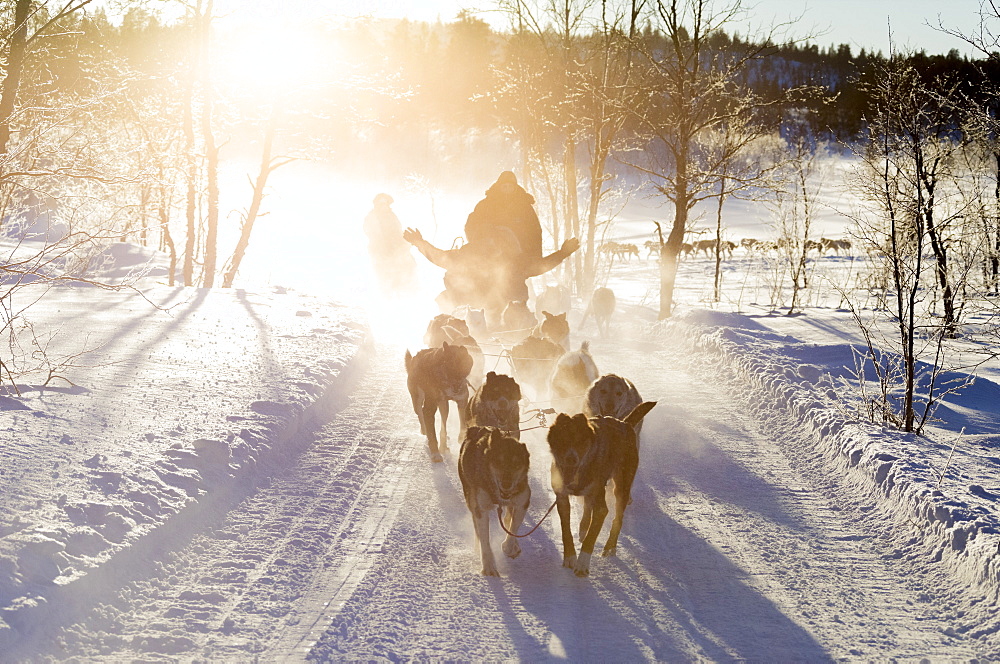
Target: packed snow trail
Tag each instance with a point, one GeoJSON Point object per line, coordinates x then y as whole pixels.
{"type": "Point", "coordinates": [734, 548]}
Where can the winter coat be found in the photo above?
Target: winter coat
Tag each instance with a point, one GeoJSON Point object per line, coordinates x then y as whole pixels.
{"type": "Point", "coordinates": [480, 276]}
{"type": "Point", "coordinates": [385, 235]}
{"type": "Point", "coordinates": [507, 217]}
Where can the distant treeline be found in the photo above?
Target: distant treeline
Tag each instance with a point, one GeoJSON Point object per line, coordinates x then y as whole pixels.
{"type": "Point", "coordinates": [441, 74]}
{"type": "Point", "coordinates": [840, 115]}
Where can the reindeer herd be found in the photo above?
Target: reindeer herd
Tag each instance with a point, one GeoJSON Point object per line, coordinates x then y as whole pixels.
{"type": "Point", "coordinates": [625, 251]}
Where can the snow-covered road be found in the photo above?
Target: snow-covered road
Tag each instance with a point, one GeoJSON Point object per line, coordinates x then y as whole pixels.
{"type": "Point", "coordinates": [738, 546]}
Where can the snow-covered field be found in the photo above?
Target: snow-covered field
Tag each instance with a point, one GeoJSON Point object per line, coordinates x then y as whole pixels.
{"type": "Point", "coordinates": [237, 475]}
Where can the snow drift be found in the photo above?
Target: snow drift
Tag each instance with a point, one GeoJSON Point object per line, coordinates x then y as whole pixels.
{"type": "Point", "coordinates": [927, 492]}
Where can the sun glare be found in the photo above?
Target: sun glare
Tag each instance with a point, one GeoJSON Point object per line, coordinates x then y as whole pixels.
{"type": "Point", "coordinates": [266, 61]}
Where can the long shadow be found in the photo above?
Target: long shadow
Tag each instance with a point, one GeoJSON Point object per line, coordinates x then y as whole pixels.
{"type": "Point", "coordinates": [704, 594]}
{"type": "Point", "coordinates": [670, 593]}
{"type": "Point", "coordinates": [727, 319]}
{"type": "Point", "coordinates": [970, 406]}
{"type": "Point", "coordinates": [671, 596]}
{"type": "Point", "coordinates": [576, 622]}
{"type": "Point", "coordinates": [580, 624]}
{"type": "Point", "coordinates": [675, 453]}
{"type": "Point", "coordinates": [184, 312]}
{"type": "Point", "coordinates": [157, 304]}
{"type": "Point", "coordinates": [262, 339]}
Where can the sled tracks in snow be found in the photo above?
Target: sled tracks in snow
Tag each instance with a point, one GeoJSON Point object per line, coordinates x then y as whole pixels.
{"type": "Point", "coordinates": [355, 509]}
{"type": "Point", "coordinates": [359, 542]}
{"type": "Point", "coordinates": [266, 576]}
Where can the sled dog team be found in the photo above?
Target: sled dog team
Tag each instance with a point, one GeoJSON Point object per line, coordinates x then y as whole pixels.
{"type": "Point", "coordinates": [594, 439]}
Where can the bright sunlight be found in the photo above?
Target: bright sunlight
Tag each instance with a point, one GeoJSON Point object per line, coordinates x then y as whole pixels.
{"type": "Point", "coordinates": [263, 61]}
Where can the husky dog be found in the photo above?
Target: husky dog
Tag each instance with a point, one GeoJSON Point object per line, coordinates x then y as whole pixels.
{"type": "Point", "coordinates": [587, 453]}
{"type": "Point", "coordinates": [493, 468]}
{"type": "Point", "coordinates": [572, 375]}
{"type": "Point", "coordinates": [614, 396]}
{"type": "Point", "coordinates": [517, 316]}
{"type": "Point", "coordinates": [555, 328]}
{"type": "Point", "coordinates": [555, 299]}
{"type": "Point", "coordinates": [533, 361]}
{"type": "Point", "coordinates": [434, 377]}
{"type": "Point", "coordinates": [602, 305]}
{"type": "Point", "coordinates": [476, 319]}
{"type": "Point", "coordinates": [455, 331]}
{"type": "Point", "coordinates": [436, 334]}
{"type": "Point", "coordinates": [495, 404]}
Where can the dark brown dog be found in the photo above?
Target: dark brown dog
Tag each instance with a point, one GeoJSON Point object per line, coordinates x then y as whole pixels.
{"type": "Point", "coordinates": [493, 468]}
{"type": "Point", "coordinates": [496, 404]}
{"type": "Point", "coordinates": [587, 453]}
{"type": "Point", "coordinates": [555, 328]}
{"type": "Point", "coordinates": [533, 360]}
{"type": "Point", "coordinates": [434, 377]}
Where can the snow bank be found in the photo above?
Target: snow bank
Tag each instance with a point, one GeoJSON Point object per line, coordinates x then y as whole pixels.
{"type": "Point", "coordinates": [925, 485]}
{"type": "Point", "coordinates": [171, 405]}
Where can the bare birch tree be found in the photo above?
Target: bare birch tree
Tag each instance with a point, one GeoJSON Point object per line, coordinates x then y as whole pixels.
{"type": "Point", "coordinates": [694, 89]}
{"type": "Point", "coordinates": [573, 100]}
{"type": "Point", "coordinates": [794, 208]}
{"type": "Point", "coordinates": [63, 166]}
{"type": "Point", "coordinates": [908, 234]}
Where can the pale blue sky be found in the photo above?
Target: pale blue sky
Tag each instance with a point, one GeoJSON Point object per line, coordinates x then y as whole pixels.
{"type": "Point", "coordinates": [860, 23]}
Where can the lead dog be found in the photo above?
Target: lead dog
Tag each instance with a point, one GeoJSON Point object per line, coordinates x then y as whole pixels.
{"type": "Point", "coordinates": [435, 376]}
{"type": "Point", "coordinates": [496, 404]}
{"type": "Point", "coordinates": [587, 453]}
{"type": "Point", "coordinates": [612, 395]}
{"type": "Point", "coordinates": [493, 468]}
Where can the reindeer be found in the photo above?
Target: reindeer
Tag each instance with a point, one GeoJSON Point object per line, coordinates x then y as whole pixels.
{"type": "Point", "coordinates": [652, 248]}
